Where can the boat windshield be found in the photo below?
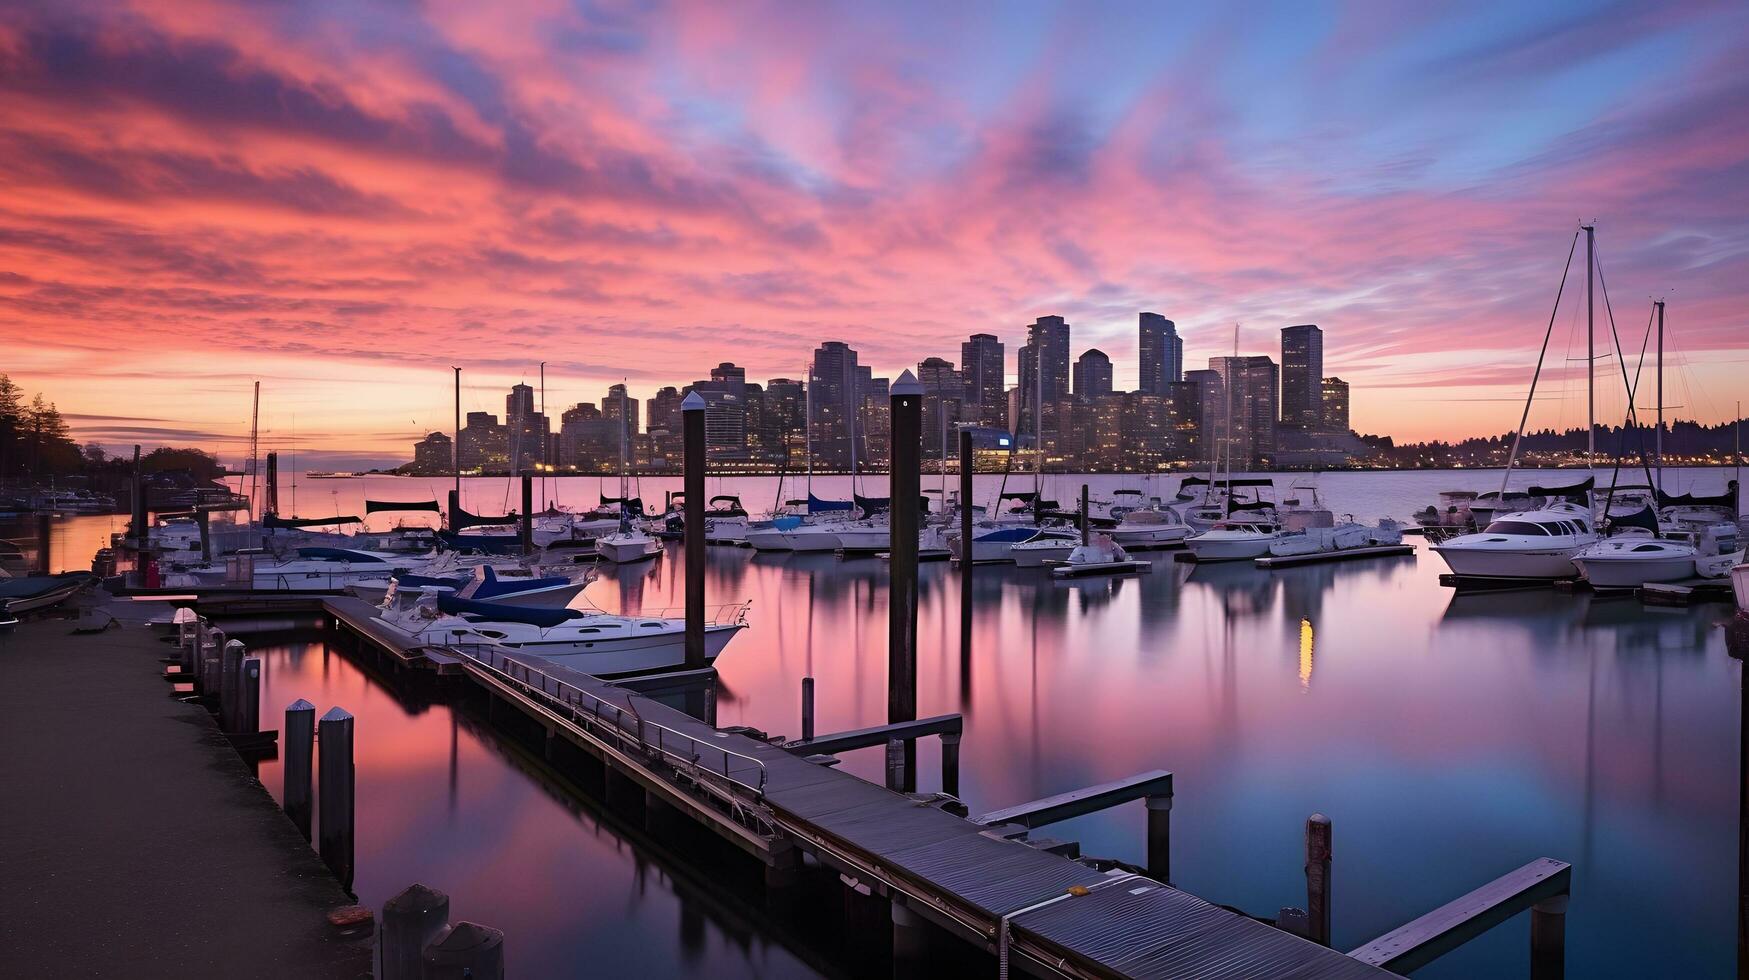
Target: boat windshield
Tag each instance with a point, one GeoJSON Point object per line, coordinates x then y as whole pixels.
{"type": "Point", "coordinates": [1517, 527]}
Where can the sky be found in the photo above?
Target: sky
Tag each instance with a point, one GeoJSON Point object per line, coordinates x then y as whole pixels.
{"type": "Point", "coordinates": [342, 200]}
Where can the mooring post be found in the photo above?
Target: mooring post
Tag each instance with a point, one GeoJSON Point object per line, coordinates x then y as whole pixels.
{"type": "Point", "coordinates": [335, 844]}
{"type": "Point", "coordinates": [896, 775]}
{"type": "Point", "coordinates": [1318, 879]}
{"type": "Point", "coordinates": [906, 487]}
{"type": "Point", "coordinates": [300, 743]}
{"type": "Point", "coordinates": [950, 763]}
{"type": "Point", "coordinates": [455, 507]}
{"type": "Point", "coordinates": [1083, 513]}
{"type": "Point", "coordinates": [910, 941]}
{"type": "Point", "coordinates": [411, 921]}
{"type": "Point", "coordinates": [1548, 938]}
{"type": "Point", "coordinates": [527, 514]}
{"type": "Point", "coordinates": [1160, 836]}
{"type": "Point", "coordinates": [249, 703]}
{"type": "Point", "coordinates": [45, 530]}
{"type": "Point", "coordinates": [230, 684]}
{"type": "Point", "coordinates": [465, 951]}
{"type": "Point", "coordinates": [203, 520]}
{"type": "Point", "coordinates": [207, 660]}
{"type": "Point", "coordinates": [966, 566]}
{"type": "Point", "coordinates": [692, 411]}
{"type": "Point", "coordinates": [807, 709]}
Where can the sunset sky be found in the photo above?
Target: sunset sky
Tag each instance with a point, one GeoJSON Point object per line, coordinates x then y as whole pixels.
{"type": "Point", "coordinates": [341, 200]}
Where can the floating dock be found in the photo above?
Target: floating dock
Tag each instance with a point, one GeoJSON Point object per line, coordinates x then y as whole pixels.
{"type": "Point", "coordinates": [1343, 554]}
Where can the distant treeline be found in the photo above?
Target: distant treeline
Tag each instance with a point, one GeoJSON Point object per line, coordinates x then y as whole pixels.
{"type": "Point", "coordinates": [36, 446]}
{"type": "Point", "coordinates": [1683, 438]}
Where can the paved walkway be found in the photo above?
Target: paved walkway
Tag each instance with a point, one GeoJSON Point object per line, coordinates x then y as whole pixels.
{"type": "Point", "coordinates": [134, 841]}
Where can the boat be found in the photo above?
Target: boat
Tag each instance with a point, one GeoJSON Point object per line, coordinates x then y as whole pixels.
{"type": "Point", "coordinates": [1153, 526]}
{"type": "Point", "coordinates": [1630, 560]}
{"type": "Point", "coordinates": [327, 569]}
{"type": "Point", "coordinates": [628, 544]}
{"type": "Point", "coordinates": [513, 585]}
{"type": "Point", "coordinates": [1296, 515]}
{"type": "Point", "coordinates": [1483, 506]}
{"type": "Point", "coordinates": [1533, 545]}
{"type": "Point", "coordinates": [794, 533]}
{"type": "Point", "coordinates": [13, 560]}
{"type": "Point", "coordinates": [1047, 545]}
{"type": "Point", "coordinates": [1098, 555]}
{"type": "Point", "coordinates": [589, 640]}
{"type": "Point", "coordinates": [1233, 539]}
{"type": "Point", "coordinates": [1346, 536]}
{"type": "Point", "coordinates": [992, 542]}
{"type": "Point", "coordinates": [28, 592]}
{"type": "Point", "coordinates": [865, 536]}
{"type": "Point", "coordinates": [1740, 583]}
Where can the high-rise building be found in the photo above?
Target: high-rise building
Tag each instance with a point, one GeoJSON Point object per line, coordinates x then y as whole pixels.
{"type": "Point", "coordinates": [483, 446]}
{"type": "Point", "coordinates": [874, 423]}
{"type": "Point", "coordinates": [1302, 371]}
{"type": "Point", "coordinates": [725, 411]}
{"type": "Point", "coordinates": [1046, 353]}
{"type": "Point", "coordinates": [1161, 353]}
{"type": "Point", "coordinates": [618, 404]}
{"type": "Point", "coordinates": [432, 455]}
{"type": "Point", "coordinates": [1092, 374]}
{"type": "Point", "coordinates": [1147, 431]}
{"type": "Point", "coordinates": [1252, 395]}
{"type": "Point", "coordinates": [833, 402]}
{"type": "Point", "coordinates": [982, 363]}
{"type": "Point", "coordinates": [944, 391]}
{"type": "Point", "coordinates": [1335, 395]}
{"type": "Point", "coordinates": [785, 421]}
{"type": "Point", "coordinates": [520, 401]}
{"type": "Point", "coordinates": [1184, 417]}
{"type": "Point", "coordinates": [588, 439]}
{"type": "Point", "coordinates": [1211, 408]}
{"type": "Point", "coordinates": [526, 430]}
{"type": "Point", "coordinates": [662, 425]}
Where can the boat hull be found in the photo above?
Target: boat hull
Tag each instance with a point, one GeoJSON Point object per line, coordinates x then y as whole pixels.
{"type": "Point", "coordinates": [772, 539]}
{"type": "Point", "coordinates": [1227, 549]}
{"type": "Point", "coordinates": [625, 551]}
{"type": "Point", "coordinates": [1544, 565]}
{"type": "Point", "coordinates": [631, 655]}
{"type": "Point", "coordinates": [1040, 557]}
{"type": "Point", "coordinates": [1631, 573]}
{"type": "Point", "coordinates": [1153, 537]}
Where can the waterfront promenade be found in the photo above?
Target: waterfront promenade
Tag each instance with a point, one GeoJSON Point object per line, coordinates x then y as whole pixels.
{"type": "Point", "coordinates": [136, 840]}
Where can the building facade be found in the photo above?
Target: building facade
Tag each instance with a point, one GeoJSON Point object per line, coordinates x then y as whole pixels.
{"type": "Point", "coordinates": [1335, 405]}
{"type": "Point", "coordinates": [1160, 353]}
{"type": "Point", "coordinates": [1092, 374]}
{"type": "Point", "coordinates": [1044, 367]}
{"type": "Point", "coordinates": [833, 402]}
{"type": "Point", "coordinates": [433, 455]}
{"type": "Point", "coordinates": [1302, 373]}
{"type": "Point", "coordinates": [982, 365]}
{"type": "Point", "coordinates": [1251, 397]}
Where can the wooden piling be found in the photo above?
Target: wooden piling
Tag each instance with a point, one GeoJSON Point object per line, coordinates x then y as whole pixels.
{"type": "Point", "coordinates": [230, 684]}
{"type": "Point", "coordinates": [249, 698]}
{"type": "Point", "coordinates": [910, 941]}
{"type": "Point", "coordinates": [203, 520]}
{"type": "Point", "coordinates": [906, 398]}
{"type": "Point", "coordinates": [455, 507]}
{"type": "Point", "coordinates": [1318, 879]}
{"type": "Point", "coordinates": [527, 514]}
{"type": "Point", "coordinates": [1160, 837]}
{"type": "Point", "coordinates": [466, 950]}
{"type": "Point", "coordinates": [1083, 513]}
{"type": "Point", "coordinates": [300, 743]}
{"type": "Point", "coordinates": [692, 412]}
{"type": "Point", "coordinates": [950, 764]}
{"type": "Point", "coordinates": [336, 801]}
{"type": "Point", "coordinates": [412, 920]}
{"type": "Point", "coordinates": [896, 774]}
{"type": "Point", "coordinates": [807, 709]}
{"type": "Point", "coordinates": [1548, 938]}
{"type": "Point", "coordinates": [45, 531]}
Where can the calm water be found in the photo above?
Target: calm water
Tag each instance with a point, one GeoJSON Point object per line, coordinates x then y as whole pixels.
{"type": "Point", "coordinates": [1449, 738]}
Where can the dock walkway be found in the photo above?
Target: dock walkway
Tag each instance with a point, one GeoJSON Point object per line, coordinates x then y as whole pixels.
{"type": "Point", "coordinates": [967, 877]}
{"type": "Point", "coordinates": [136, 840]}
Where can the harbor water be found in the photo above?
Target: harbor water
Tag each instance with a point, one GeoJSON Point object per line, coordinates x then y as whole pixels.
{"type": "Point", "coordinates": [1450, 738]}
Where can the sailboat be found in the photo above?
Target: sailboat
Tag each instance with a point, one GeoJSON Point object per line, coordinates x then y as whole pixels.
{"type": "Point", "coordinates": [1539, 545]}
{"type": "Point", "coordinates": [630, 543]}
{"type": "Point", "coordinates": [804, 531]}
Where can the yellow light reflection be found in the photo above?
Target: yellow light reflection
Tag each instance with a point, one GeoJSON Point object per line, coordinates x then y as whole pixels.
{"type": "Point", "coordinates": [1305, 655]}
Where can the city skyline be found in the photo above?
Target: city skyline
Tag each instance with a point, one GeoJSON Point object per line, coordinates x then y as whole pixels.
{"type": "Point", "coordinates": [373, 200]}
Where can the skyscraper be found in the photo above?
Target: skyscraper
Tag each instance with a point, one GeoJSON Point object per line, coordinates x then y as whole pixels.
{"type": "Point", "coordinates": [1335, 405]}
{"type": "Point", "coordinates": [527, 429]}
{"type": "Point", "coordinates": [785, 422]}
{"type": "Point", "coordinates": [833, 401]}
{"type": "Point", "coordinates": [1047, 353]}
{"type": "Point", "coordinates": [982, 363]}
{"type": "Point", "coordinates": [1092, 374]}
{"type": "Point", "coordinates": [1252, 396]}
{"type": "Point", "coordinates": [725, 413]}
{"type": "Point", "coordinates": [943, 393]}
{"type": "Point", "coordinates": [1211, 409]}
{"type": "Point", "coordinates": [1162, 354]}
{"type": "Point", "coordinates": [1302, 371]}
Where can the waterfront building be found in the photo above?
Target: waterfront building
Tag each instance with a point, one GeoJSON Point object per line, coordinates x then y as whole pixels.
{"type": "Point", "coordinates": [944, 390]}
{"type": "Point", "coordinates": [1251, 396]}
{"type": "Point", "coordinates": [1146, 429]}
{"type": "Point", "coordinates": [1335, 405]}
{"type": "Point", "coordinates": [433, 455]}
{"type": "Point", "coordinates": [1211, 408]}
{"type": "Point", "coordinates": [1092, 374]}
{"type": "Point", "coordinates": [662, 429]}
{"type": "Point", "coordinates": [1047, 353]}
{"type": "Point", "coordinates": [874, 429]}
{"type": "Point", "coordinates": [588, 440]}
{"type": "Point", "coordinates": [1161, 353]}
{"type": "Point", "coordinates": [526, 430]}
{"type": "Point", "coordinates": [1184, 414]}
{"type": "Point", "coordinates": [725, 414]}
{"type": "Point", "coordinates": [1302, 370]}
{"type": "Point", "coordinates": [785, 422]}
{"type": "Point", "coordinates": [833, 402]}
{"type": "Point", "coordinates": [484, 444]}
{"type": "Point", "coordinates": [982, 365]}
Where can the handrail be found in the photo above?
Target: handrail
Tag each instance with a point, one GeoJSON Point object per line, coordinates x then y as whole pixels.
{"type": "Point", "coordinates": [686, 752]}
{"type": "Point", "coordinates": [722, 614]}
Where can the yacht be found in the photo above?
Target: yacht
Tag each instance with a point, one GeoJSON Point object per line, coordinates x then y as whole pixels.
{"type": "Point", "coordinates": [816, 530]}
{"type": "Point", "coordinates": [1047, 545]}
{"type": "Point", "coordinates": [1343, 536]}
{"type": "Point", "coordinates": [628, 544]}
{"type": "Point", "coordinates": [327, 569]}
{"type": "Point", "coordinates": [1234, 539]}
{"type": "Point", "coordinates": [1631, 559]}
{"type": "Point", "coordinates": [1533, 545]}
{"type": "Point", "coordinates": [1099, 555]}
{"type": "Point", "coordinates": [589, 640]}
{"type": "Point", "coordinates": [1483, 506]}
{"type": "Point", "coordinates": [512, 585]}
{"type": "Point", "coordinates": [1153, 526]}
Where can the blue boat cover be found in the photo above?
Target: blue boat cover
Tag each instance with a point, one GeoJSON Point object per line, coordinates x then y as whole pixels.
{"type": "Point", "coordinates": [786, 523]}
{"type": "Point", "coordinates": [816, 505]}
{"type": "Point", "coordinates": [491, 586]}
{"type": "Point", "coordinates": [500, 613]}
{"type": "Point", "coordinates": [1015, 533]}
{"type": "Point", "coordinates": [30, 586]}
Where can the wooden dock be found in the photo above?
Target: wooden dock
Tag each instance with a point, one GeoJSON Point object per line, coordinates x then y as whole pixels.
{"type": "Point", "coordinates": [1344, 554]}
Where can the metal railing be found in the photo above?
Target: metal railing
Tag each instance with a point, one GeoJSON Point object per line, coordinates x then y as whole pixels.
{"type": "Point", "coordinates": [701, 761]}
{"type": "Point", "coordinates": [726, 614]}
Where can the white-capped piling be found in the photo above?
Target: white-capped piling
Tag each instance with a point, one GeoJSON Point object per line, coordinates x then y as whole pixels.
{"type": "Point", "coordinates": [336, 801]}
{"type": "Point", "coordinates": [300, 744]}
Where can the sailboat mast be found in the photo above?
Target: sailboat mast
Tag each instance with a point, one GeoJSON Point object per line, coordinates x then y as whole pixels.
{"type": "Point", "coordinates": [543, 441]}
{"type": "Point", "coordinates": [1590, 346]}
{"type": "Point", "coordinates": [1658, 433]}
{"type": "Point", "coordinates": [1038, 424]}
{"type": "Point", "coordinates": [808, 428]}
{"type": "Point", "coordinates": [456, 447]}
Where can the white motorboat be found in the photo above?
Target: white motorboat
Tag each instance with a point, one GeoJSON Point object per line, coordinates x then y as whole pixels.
{"type": "Point", "coordinates": [1150, 527]}
{"type": "Point", "coordinates": [1630, 560]}
{"type": "Point", "coordinates": [1099, 556]}
{"type": "Point", "coordinates": [627, 545]}
{"type": "Point", "coordinates": [1047, 545]}
{"type": "Point", "coordinates": [865, 536]}
{"type": "Point", "coordinates": [1483, 506]}
{"type": "Point", "coordinates": [992, 542]}
{"type": "Point", "coordinates": [794, 534]}
{"type": "Point", "coordinates": [589, 640]}
{"type": "Point", "coordinates": [1346, 536]}
{"type": "Point", "coordinates": [1740, 582]}
{"type": "Point", "coordinates": [1295, 514]}
{"type": "Point", "coordinates": [28, 592]}
{"type": "Point", "coordinates": [726, 529]}
{"type": "Point", "coordinates": [509, 584]}
{"type": "Point", "coordinates": [1535, 545]}
{"type": "Point", "coordinates": [1234, 539]}
{"type": "Point", "coordinates": [328, 569]}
